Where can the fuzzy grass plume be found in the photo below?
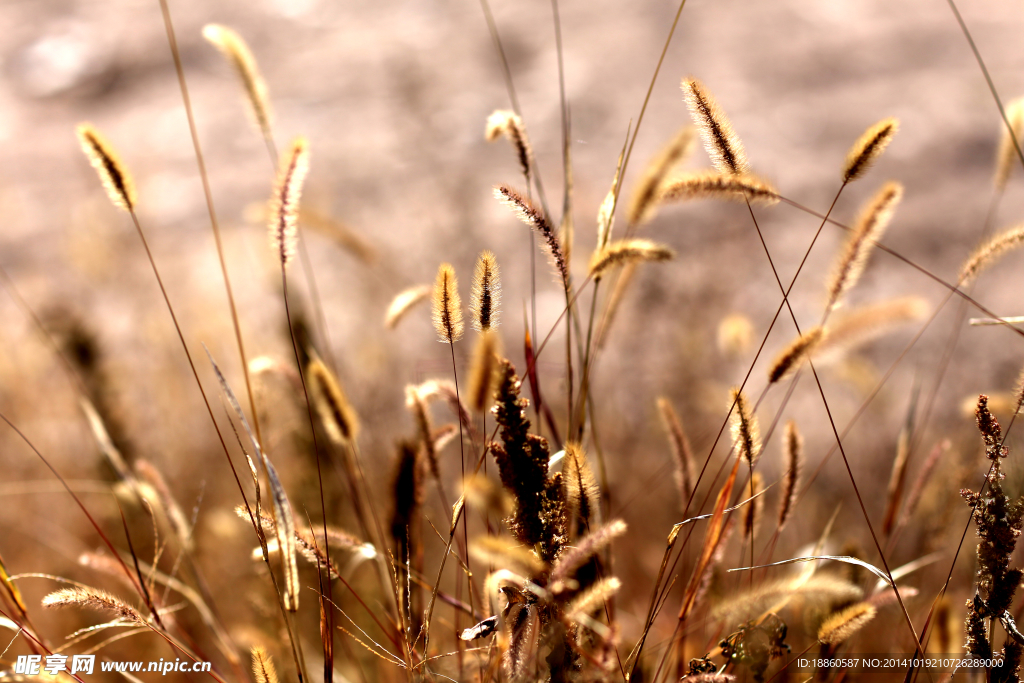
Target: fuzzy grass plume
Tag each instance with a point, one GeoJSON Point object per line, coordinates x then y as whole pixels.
{"type": "Point", "coordinates": [535, 218]}
{"type": "Point", "coordinates": [682, 454]}
{"type": "Point", "coordinates": [447, 306]}
{"type": "Point", "coordinates": [799, 350]}
{"type": "Point", "coordinates": [485, 295]}
{"type": "Point", "coordinates": [644, 199]}
{"type": "Point", "coordinates": [841, 625]}
{"type": "Point", "coordinates": [284, 202]}
{"type": "Point", "coordinates": [713, 184]}
{"type": "Point", "coordinates": [336, 413]}
{"type": "Point", "coordinates": [868, 147]}
{"type": "Point", "coordinates": [93, 598]}
{"type": "Point", "coordinates": [508, 123]}
{"type": "Point", "coordinates": [619, 253]}
{"type": "Point", "coordinates": [792, 447]}
{"type": "Point", "coordinates": [115, 176]}
{"type": "Point", "coordinates": [870, 225]}
{"type": "Point", "coordinates": [237, 52]}
{"type": "Point", "coordinates": [1006, 156]}
{"type": "Point", "coordinates": [746, 434]}
{"type": "Point", "coordinates": [720, 141]}
{"type": "Point", "coordinates": [989, 252]}
{"type": "Point", "coordinates": [263, 669]}
{"type": "Point", "coordinates": [404, 302]}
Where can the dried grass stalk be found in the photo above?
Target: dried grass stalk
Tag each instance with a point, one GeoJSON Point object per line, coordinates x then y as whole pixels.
{"type": "Point", "coordinates": [535, 218]}
{"type": "Point", "coordinates": [986, 254]}
{"type": "Point", "coordinates": [117, 181]}
{"type": "Point", "coordinates": [237, 52]}
{"type": "Point", "coordinates": [175, 516]}
{"type": "Point", "coordinates": [606, 212]}
{"type": "Point", "coordinates": [843, 624]}
{"type": "Point", "coordinates": [711, 184]}
{"type": "Point", "coordinates": [793, 448]}
{"type": "Point", "coordinates": [643, 202]}
{"type": "Point", "coordinates": [722, 144]}
{"type": "Point", "coordinates": [447, 306]}
{"type": "Point", "coordinates": [1006, 156]}
{"type": "Point", "coordinates": [404, 302]}
{"type": "Point", "coordinates": [336, 413]}
{"type": "Point", "coordinates": [508, 123]}
{"type": "Point", "coordinates": [485, 295]}
{"type": "Point", "coordinates": [93, 598]}
{"type": "Point", "coordinates": [746, 434]}
{"type": "Point", "coordinates": [284, 202]}
{"type": "Point", "coordinates": [799, 350]}
{"type": "Point", "coordinates": [871, 223]}
{"type": "Point", "coordinates": [682, 455]}
{"type": "Point", "coordinates": [868, 147]}
{"type": "Point", "coordinates": [628, 251]}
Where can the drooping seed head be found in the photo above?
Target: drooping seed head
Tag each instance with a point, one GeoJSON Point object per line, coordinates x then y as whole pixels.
{"type": "Point", "coordinates": [711, 184]}
{"type": "Point", "coordinates": [843, 624]}
{"type": "Point", "coordinates": [746, 434]}
{"type": "Point", "coordinates": [403, 302]}
{"type": "Point", "coordinates": [792, 447]}
{"type": "Point", "coordinates": [799, 350]}
{"type": "Point", "coordinates": [508, 123]}
{"type": "Point", "coordinates": [620, 253]}
{"type": "Point", "coordinates": [643, 202]}
{"type": "Point", "coordinates": [236, 51]}
{"type": "Point", "coordinates": [535, 218]}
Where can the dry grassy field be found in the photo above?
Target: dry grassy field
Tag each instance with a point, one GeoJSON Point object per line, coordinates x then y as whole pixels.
{"type": "Point", "coordinates": [480, 342]}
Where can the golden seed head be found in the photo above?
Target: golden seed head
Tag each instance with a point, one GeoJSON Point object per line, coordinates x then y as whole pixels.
{"type": "Point", "coordinates": [115, 177]}
{"type": "Point", "coordinates": [336, 413]}
{"type": "Point", "coordinates": [485, 295]}
{"type": "Point", "coordinates": [746, 434]}
{"type": "Point", "coordinates": [720, 141]}
{"type": "Point", "coordinates": [508, 123]}
{"type": "Point", "coordinates": [793, 446]}
{"type": "Point", "coordinates": [535, 218]}
{"type": "Point", "coordinates": [403, 302]}
{"type": "Point", "coordinates": [284, 203]}
{"type": "Point", "coordinates": [843, 624]}
{"type": "Point", "coordinates": [628, 251]}
{"type": "Point", "coordinates": [643, 202]}
{"type": "Point", "coordinates": [870, 226]}
{"type": "Point", "coordinates": [989, 252]}
{"type": "Point", "coordinates": [263, 666]}
{"type": "Point", "coordinates": [447, 306]}
{"type": "Point", "coordinates": [483, 370]}
{"type": "Point", "coordinates": [868, 147]}
{"type": "Point", "coordinates": [712, 184]}
{"type": "Point", "coordinates": [799, 350]}
{"type": "Point", "coordinates": [1006, 156]}
{"type": "Point", "coordinates": [235, 49]}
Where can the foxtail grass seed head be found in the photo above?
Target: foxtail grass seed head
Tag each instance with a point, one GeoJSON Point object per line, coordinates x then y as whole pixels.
{"type": "Point", "coordinates": [866, 323]}
{"type": "Point", "coordinates": [868, 229]}
{"type": "Point", "coordinates": [336, 413]}
{"type": "Point", "coordinates": [535, 218]}
{"type": "Point", "coordinates": [799, 350]}
{"type": "Point", "coordinates": [236, 51]}
{"type": "Point", "coordinates": [1006, 156]}
{"type": "Point", "coordinates": [593, 598]}
{"type": "Point", "coordinates": [989, 252]}
{"type": "Point", "coordinates": [447, 306]}
{"type": "Point", "coordinates": [720, 142]}
{"type": "Point", "coordinates": [752, 510]}
{"type": "Point", "coordinates": [263, 669]}
{"type": "Point", "coordinates": [682, 455]}
{"type": "Point", "coordinates": [404, 302]}
{"type": "Point", "coordinates": [868, 147]}
{"type": "Point", "coordinates": [115, 177]}
{"type": "Point", "coordinates": [792, 448]}
{"type": "Point", "coordinates": [508, 123]}
{"type": "Point", "coordinates": [643, 201]}
{"type": "Point", "coordinates": [712, 184]}
{"type": "Point", "coordinates": [842, 625]}
{"type": "Point", "coordinates": [485, 295]}
{"type": "Point", "coordinates": [580, 486]}
{"type": "Point", "coordinates": [735, 335]}
{"type": "Point", "coordinates": [746, 434]}
{"type": "Point", "coordinates": [284, 203]}
{"type": "Point", "coordinates": [483, 370]}
{"type": "Point", "coordinates": [628, 251]}
{"type": "Point", "coordinates": [93, 598]}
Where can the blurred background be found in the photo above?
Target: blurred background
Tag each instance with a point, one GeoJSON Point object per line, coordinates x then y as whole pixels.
{"type": "Point", "coordinates": [393, 97]}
